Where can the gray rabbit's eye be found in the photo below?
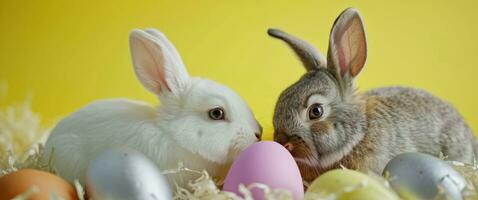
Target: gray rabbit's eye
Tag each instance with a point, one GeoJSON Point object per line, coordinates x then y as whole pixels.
{"type": "Point", "coordinates": [315, 111]}
{"type": "Point", "coordinates": [217, 114]}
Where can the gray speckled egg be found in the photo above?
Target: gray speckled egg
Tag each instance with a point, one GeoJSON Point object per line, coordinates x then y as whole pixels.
{"type": "Point", "coordinates": [125, 175]}
{"type": "Point", "coordinates": [422, 176]}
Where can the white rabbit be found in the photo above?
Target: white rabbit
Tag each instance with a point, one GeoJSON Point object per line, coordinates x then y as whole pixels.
{"type": "Point", "coordinates": [200, 123]}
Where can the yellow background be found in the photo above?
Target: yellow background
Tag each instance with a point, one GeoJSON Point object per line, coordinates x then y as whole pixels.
{"type": "Point", "coordinates": [69, 53]}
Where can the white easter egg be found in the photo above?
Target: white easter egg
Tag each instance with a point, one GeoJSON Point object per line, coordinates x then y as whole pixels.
{"type": "Point", "coordinates": [125, 175]}
{"type": "Point", "coordinates": [422, 176]}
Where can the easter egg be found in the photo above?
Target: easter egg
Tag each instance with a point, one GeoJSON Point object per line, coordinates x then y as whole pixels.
{"type": "Point", "coordinates": [265, 163]}
{"type": "Point", "coordinates": [344, 184]}
{"type": "Point", "coordinates": [46, 184]}
{"type": "Point", "coordinates": [125, 174]}
{"type": "Point", "coordinates": [422, 176]}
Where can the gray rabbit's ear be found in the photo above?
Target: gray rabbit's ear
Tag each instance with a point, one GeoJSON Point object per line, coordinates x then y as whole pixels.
{"type": "Point", "coordinates": [348, 44]}
{"type": "Point", "coordinates": [310, 57]}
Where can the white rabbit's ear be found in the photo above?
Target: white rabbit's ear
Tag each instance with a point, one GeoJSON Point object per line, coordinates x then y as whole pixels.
{"type": "Point", "coordinates": [156, 62]}
{"type": "Point", "coordinates": [348, 44]}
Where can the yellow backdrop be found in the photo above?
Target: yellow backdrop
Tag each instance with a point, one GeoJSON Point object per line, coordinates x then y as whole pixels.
{"type": "Point", "coordinates": [69, 53]}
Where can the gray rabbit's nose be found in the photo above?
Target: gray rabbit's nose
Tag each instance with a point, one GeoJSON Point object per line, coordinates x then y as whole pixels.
{"type": "Point", "coordinates": [289, 146]}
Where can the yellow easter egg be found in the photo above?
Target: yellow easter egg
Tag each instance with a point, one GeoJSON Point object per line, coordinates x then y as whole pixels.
{"type": "Point", "coordinates": [347, 184]}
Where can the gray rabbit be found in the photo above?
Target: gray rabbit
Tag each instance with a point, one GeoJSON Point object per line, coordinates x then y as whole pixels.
{"type": "Point", "coordinates": [324, 123]}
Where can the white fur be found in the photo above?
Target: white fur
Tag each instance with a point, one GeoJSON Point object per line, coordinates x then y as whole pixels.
{"type": "Point", "coordinates": [179, 130]}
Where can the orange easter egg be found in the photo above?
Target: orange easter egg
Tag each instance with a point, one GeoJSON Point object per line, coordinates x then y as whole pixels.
{"type": "Point", "coordinates": [16, 183]}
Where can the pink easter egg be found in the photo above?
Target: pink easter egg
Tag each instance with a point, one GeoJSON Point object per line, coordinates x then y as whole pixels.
{"type": "Point", "coordinates": [267, 163]}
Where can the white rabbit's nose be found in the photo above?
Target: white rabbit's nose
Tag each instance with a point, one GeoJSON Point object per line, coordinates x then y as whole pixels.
{"type": "Point", "coordinates": [258, 133]}
{"type": "Point", "coordinates": [258, 136]}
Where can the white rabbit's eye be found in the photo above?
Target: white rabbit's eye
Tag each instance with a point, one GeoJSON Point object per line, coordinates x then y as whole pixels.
{"type": "Point", "coordinates": [315, 111]}
{"type": "Point", "coordinates": [217, 114]}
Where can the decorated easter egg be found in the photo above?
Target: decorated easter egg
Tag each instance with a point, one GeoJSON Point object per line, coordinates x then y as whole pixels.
{"type": "Point", "coordinates": [125, 174]}
{"type": "Point", "coordinates": [39, 184]}
{"type": "Point", "coordinates": [422, 176]}
{"type": "Point", "coordinates": [344, 184]}
{"type": "Point", "coordinates": [266, 163]}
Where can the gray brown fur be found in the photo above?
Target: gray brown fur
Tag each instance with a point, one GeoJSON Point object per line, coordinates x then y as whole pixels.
{"type": "Point", "coordinates": [380, 123]}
